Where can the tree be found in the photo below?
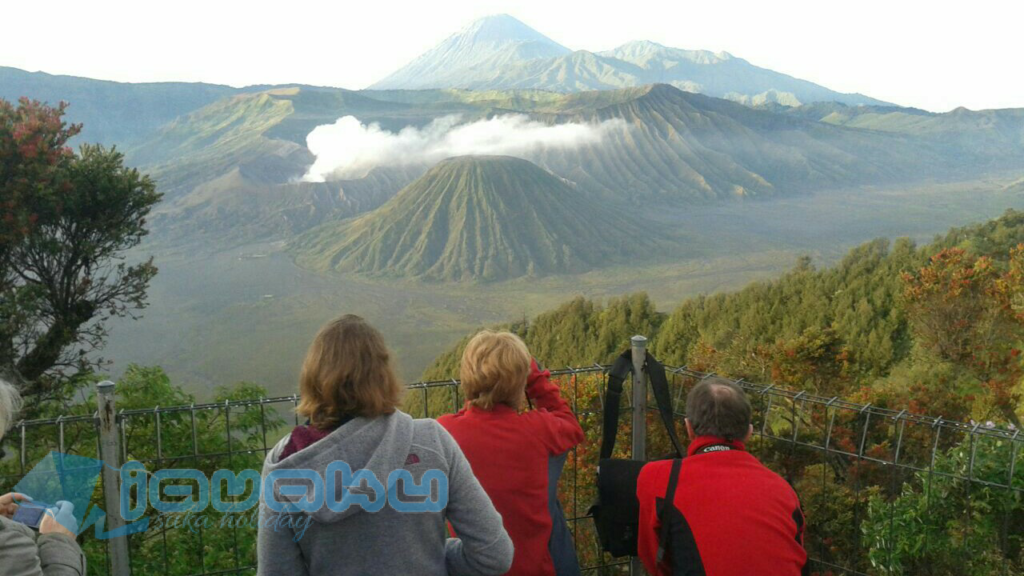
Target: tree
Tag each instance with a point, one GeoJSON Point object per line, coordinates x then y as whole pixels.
{"type": "Point", "coordinates": [67, 222]}
{"type": "Point", "coordinates": [962, 309]}
{"type": "Point", "coordinates": [937, 525]}
{"type": "Point", "coordinates": [33, 149]}
{"type": "Point", "coordinates": [816, 361]}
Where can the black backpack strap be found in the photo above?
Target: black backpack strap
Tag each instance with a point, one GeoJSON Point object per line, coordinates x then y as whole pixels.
{"type": "Point", "coordinates": [666, 505]}
{"type": "Point", "coordinates": [613, 392]}
{"type": "Point", "coordinates": [659, 383]}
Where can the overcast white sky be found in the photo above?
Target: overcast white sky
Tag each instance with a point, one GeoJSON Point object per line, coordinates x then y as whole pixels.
{"type": "Point", "coordinates": [935, 55]}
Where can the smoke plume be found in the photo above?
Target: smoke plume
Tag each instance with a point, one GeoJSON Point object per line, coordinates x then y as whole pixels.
{"type": "Point", "coordinates": [350, 149]}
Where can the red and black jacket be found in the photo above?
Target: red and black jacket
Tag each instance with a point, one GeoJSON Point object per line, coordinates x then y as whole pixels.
{"type": "Point", "coordinates": [730, 516]}
{"type": "Point", "coordinates": [510, 453]}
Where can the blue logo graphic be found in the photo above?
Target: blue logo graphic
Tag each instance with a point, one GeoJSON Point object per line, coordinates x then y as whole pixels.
{"type": "Point", "coordinates": [188, 492]}
{"type": "Point", "coordinates": [67, 477]}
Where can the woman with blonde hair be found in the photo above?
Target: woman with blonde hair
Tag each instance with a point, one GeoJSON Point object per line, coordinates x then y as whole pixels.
{"type": "Point", "coordinates": [516, 454]}
{"type": "Point", "coordinates": [336, 495]}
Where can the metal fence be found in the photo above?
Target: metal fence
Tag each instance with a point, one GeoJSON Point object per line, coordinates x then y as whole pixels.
{"type": "Point", "coordinates": [884, 491]}
{"type": "Point", "coordinates": [890, 492]}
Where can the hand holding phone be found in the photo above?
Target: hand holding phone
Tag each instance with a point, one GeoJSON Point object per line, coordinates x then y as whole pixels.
{"type": "Point", "coordinates": [30, 515]}
{"type": "Point", "coordinates": [9, 503]}
{"type": "Point", "coordinates": [56, 519]}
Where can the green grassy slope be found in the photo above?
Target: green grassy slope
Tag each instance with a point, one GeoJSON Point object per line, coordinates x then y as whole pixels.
{"type": "Point", "coordinates": [486, 217]}
{"type": "Point", "coordinates": [219, 138]}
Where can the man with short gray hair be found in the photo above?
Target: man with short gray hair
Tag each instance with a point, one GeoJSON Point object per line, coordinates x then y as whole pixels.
{"type": "Point", "coordinates": [52, 551]}
{"type": "Point", "coordinates": [727, 514]}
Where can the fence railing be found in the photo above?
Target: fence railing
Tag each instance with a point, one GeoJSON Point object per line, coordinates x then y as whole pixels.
{"type": "Point", "coordinates": [884, 491]}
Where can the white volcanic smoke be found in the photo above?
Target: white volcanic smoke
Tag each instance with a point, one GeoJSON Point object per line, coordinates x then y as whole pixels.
{"type": "Point", "coordinates": [349, 149]}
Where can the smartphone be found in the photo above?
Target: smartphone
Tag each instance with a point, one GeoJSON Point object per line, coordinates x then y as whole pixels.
{"type": "Point", "coordinates": [30, 515]}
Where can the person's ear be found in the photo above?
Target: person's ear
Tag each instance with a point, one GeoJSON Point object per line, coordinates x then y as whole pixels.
{"type": "Point", "coordinates": [750, 432]}
{"type": "Point", "coordinates": [689, 429]}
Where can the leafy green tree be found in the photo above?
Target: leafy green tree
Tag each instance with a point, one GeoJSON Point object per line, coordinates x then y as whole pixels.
{"type": "Point", "coordinates": [944, 526]}
{"type": "Point", "coordinates": [68, 221]}
{"type": "Point", "coordinates": [33, 153]}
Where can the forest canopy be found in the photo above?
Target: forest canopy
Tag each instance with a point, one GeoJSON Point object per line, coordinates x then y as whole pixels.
{"type": "Point", "coordinates": [892, 322]}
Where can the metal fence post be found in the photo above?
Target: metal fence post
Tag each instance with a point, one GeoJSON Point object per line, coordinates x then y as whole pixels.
{"type": "Point", "coordinates": [639, 346]}
{"type": "Point", "coordinates": [110, 454]}
{"type": "Point", "coordinates": [639, 398]}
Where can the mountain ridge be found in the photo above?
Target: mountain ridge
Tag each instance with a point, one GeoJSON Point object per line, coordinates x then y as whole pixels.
{"type": "Point", "coordinates": [112, 112]}
{"type": "Point", "coordinates": [635, 63]}
{"type": "Point", "coordinates": [671, 147]}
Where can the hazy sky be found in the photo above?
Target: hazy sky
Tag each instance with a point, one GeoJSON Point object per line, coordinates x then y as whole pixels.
{"type": "Point", "coordinates": [935, 55]}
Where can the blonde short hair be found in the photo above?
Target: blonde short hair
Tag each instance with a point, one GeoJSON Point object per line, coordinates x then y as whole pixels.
{"type": "Point", "coordinates": [495, 367]}
{"type": "Point", "coordinates": [347, 372]}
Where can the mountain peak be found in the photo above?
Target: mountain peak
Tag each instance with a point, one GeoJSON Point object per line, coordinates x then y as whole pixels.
{"type": "Point", "coordinates": [491, 42]}
{"type": "Point", "coordinates": [501, 28]}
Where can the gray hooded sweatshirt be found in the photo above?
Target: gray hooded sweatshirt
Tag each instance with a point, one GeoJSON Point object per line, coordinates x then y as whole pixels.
{"type": "Point", "coordinates": [24, 552]}
{"type": "Point", "coordinates": [357, 541]}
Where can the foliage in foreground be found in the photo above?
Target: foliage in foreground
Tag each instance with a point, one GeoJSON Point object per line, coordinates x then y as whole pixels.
{"type": "Point", "coordinates": [66, 222]}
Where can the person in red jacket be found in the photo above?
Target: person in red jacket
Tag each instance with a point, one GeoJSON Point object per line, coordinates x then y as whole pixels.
{"type": "Point", "coordinates": [729, 514]}
{"type": "Point", "coordinates": [510, 449]}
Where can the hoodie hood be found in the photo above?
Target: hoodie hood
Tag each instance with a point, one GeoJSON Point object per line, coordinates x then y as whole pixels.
{"type": "Point", "coordinates": [380, 445]}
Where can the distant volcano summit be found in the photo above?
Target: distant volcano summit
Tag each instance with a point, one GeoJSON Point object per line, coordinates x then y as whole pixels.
{"type": "Point", "coordinates": [489, 43]}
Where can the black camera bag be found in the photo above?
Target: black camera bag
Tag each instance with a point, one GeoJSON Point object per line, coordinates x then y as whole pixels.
{"type": "Point", "coordinates": [617, 511]}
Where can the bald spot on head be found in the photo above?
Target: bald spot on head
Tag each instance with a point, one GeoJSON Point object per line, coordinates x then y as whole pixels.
{"type": "Point", "coordinates": [718, 407]}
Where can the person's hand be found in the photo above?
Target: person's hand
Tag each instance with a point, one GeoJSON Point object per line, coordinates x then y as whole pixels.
{"type": "Point", "coordinates": [9, 503]}
{"type": "Point", "coordinates": [60, 519]}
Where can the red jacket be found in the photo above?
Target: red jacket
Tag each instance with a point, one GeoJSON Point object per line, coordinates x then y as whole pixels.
{"type": "Point", "coordinates": [731, 516]}
{"type": "Point", "coordinates": [509, 454]}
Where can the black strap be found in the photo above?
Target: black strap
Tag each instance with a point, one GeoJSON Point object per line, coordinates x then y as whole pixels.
{"type": "Point", "coordinates": [659, 383]}
{"type": "Point", "coordinates": [613, 392]}
{"type": "Point", "coordinates": [666, 505]}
